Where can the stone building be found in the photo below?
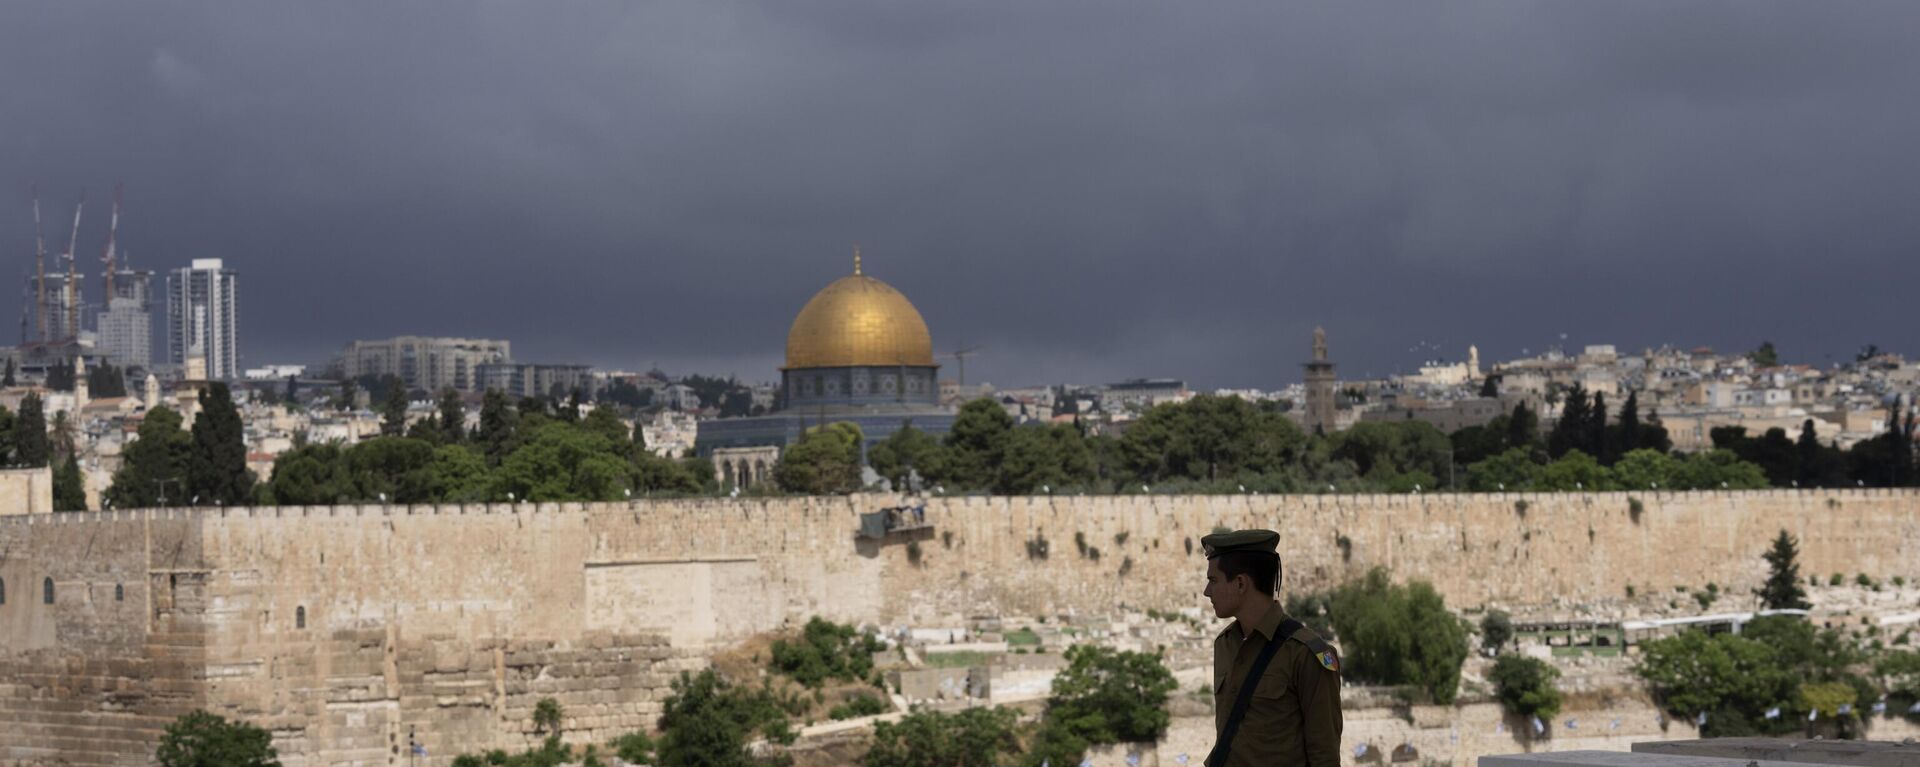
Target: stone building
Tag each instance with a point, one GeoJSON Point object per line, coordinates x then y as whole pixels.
{"type": "Point", "coordinates": [425, 363]}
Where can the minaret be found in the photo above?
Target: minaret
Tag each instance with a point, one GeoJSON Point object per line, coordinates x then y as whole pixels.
{"type": "Point", "coordinates": [1473, 361]}
{"type": "Point", "coordinates": [79, 387]}
{"type": "Point", "coordinates": [152, 391]}
{"type": "Point", "coordinates": [1322, 415]}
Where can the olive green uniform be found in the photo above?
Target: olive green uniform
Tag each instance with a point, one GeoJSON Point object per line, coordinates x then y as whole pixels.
{"type": "Point", "coordinates": [1294, 716]}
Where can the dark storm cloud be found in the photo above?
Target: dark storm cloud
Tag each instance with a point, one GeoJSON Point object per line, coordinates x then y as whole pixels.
{"type": "Point", "coordinates": [1090, 190]}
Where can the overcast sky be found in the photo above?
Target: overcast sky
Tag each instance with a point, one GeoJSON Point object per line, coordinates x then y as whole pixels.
{"type": "Point", "coordinates": [1090, 190]}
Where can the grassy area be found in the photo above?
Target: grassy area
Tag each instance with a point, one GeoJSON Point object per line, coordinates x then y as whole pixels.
{"type": "Point", "coordinates": [1023, 636]}
{"type": "Point", "coordinates": [960, 659]}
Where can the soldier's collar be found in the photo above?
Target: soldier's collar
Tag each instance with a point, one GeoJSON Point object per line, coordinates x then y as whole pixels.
{"type": "Point", "coordinates": [1269, 623]}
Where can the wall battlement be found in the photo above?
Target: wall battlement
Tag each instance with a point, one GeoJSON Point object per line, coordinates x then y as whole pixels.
{"type": "Point", "coordinates": [343, 628]}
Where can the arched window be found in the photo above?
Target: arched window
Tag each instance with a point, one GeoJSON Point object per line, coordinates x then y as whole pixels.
{"type": "Point", "coordinates": [47, 587]}
{"type": "Point", "coordinates": [119, 593]}
{"type": "Point", "coordinates": [3, 591]}
{"type": "Point", "coordinates": [300, 617]}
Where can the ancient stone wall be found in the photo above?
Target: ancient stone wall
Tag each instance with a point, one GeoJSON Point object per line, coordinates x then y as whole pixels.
{"type": "Point", "coordinates": [345, 629]}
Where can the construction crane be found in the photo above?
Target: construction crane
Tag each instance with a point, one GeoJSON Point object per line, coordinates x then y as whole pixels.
{"type": "Point", "coordinates": [39, 272]}
{"type": "Point", "coordinates": [73, 273]}
{"type": "Point", "coordinates": [960, 355]}
{"type": "Point", "coordinates": [107, 253]}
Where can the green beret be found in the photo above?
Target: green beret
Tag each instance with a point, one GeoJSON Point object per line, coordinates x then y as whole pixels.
{"type": "Point", "coordinates": [1266, 541]}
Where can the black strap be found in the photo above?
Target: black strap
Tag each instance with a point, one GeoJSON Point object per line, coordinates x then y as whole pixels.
{"type": "Point", "coordinates": [1224, 745]}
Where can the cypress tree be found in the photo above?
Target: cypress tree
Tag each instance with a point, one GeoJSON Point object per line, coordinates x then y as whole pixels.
{"type": "Point", "coordinates": [69, 488]}
{"type": "Point", "coordinates": [1523, 427]}
{"type": "Point", "coordinates": [1596, 431]}
{"type": "Point", "coordinates": [1569, 433]}
{"type": "Point", "coordinates": [393, 412]}
{"type": "Point", "coordinates": [217, 469]}
{"type": "Point", "coordinates": [30, 444]}
{"type": "Point", "coordinates": [1782, 590]}
{"type": "Point", "coordinates": [9, 380]}
{"type": "Point", "coordinates": [1629, 424]}
{"type": "Point", "coordinates": [453, 417]}
{"type": "Point", "coordinates": [495, 434]}
{"type": "Point", "coordinates": [293, 390]}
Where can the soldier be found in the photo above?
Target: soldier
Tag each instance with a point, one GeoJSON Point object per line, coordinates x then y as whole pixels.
{"type": "Point", "coordinates": [1276, 683]}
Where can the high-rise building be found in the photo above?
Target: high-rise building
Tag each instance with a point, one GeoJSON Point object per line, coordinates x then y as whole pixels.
{"type": "Point", "coordinates": [203, 319]}
{"type": "Point", "coordinates": [126, 325]}
{"type": "Point", "coordinates": [425, 363]}
{"type": "Point", "coordinates": [530, 380]}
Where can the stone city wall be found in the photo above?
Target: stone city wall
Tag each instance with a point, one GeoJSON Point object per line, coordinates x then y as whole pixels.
{"type": "Point", "coordinates": [345, 629]}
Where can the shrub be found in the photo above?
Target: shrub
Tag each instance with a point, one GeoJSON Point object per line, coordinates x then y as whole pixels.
{"type": "Point", "coordinates": [826, 650]}
{"type": "Point", "coordinates": [859, 706]}
{"type": "Point", "coordinates": [977, 737]}
{"type": "Point", "coordinates": [200, 739]}
{"type": "Point", "coordinates": [1496, 630]}
{"type": "Point", "coordinates": [547, 715]}
{"type": "Point", "coordinates": [1836, 580]}
{"type": "Point", "coordinates": [1525, 686]}
{"type": "Point", "coordinates": [708, 721]}
{"type": "Point", "coordinates": [1400, 635]}
{"type": "Point", "coordinates": [634, 748]}
{"type": "Point", "coordinates": [1862, 580]}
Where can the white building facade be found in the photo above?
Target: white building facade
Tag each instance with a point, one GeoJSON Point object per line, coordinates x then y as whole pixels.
{"type": "Point", "coordinates": [203, 317]}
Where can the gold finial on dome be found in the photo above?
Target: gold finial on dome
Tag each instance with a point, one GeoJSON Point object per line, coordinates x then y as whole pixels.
{"type": "Point", "coordinates": [856, 258]}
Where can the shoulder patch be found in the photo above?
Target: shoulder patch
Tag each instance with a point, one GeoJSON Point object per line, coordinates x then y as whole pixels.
{"type": "Point", "coordinates": [1328, 657]}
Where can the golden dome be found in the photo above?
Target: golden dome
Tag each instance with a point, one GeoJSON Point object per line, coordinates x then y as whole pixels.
{"type": "Point", "coordinates": [858, 321]}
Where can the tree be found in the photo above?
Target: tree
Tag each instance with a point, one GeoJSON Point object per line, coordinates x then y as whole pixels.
{"type": "Point", "coordinates": [976, 443]}
{"type": "Point", "coordinates": [562, 462]}
{"type": "Point", "coordinates": [69, 488]}
{"type": "Point", "coordinates": [343, 400]}
{"type": "Point", "coordinates": [1627, 436]}
{"type": "Point", "coordinates": [1571, 432]}
{"type": "Point", "coordinates": [707, 722]}
{"type": "Point", "coordinates": [60, 377]}
{"type": "Point", "coordinates": [153, 468]}
{"type": "Point", "coordinates": [1512, 470]}
{"type": "Point", "coordinates": [826, 460]}
{"type": "Point", "coordinates": [1717, 469]}
{"type": "Point", "coordinates": [292, 394]}
{"type": "Point", "coordinates": [1111, 696]}
{"type": "Point", "coordinates": [1496, 630]}
{"type": "Point", "coordinates": [1576, 471]}
{"type": "Point", "coordinates": [105, 380]}
{"type": "Point", "coordinates": [1819, 465]}
{"type": "Point", "coordinates": [1039, 457]}
{"type": "Point", "coordinates": [8, 380]}
{"type": "Point", "coordinates": [1525, 686]}
{"type": "Point", "coordinates": [1645, 469]}
{"type": "Point", "coordinates": [1523, 427]}
{"type": "Point", "coordinates": [7, 424]}
{"type": "Point", "coordinates": [453, 417]}
{"type": "Point", "coordinates": [31, 446]}
{"type": "Point", "coordinates": [975, 737]}
{"type": "Point", "coordinates": [497, 421]}
{"type": "Point", "coordinates": [1400, 635]}
{"type": "Point", "coordinates": [393, 412]}
{"type": "Point", "coordinates": [1782, 590]}
{"type": "Point", "coordinates": [1212, 438]}
{"type": "Point", "coordinates": [200, 739]}
{"type": "Point", "coordinates": [1596, 436]}
{"type": "Point", "coordinates": [1765, 356]}
{"type": "Point", "coordinates": [908, 450]}
{"type": "Point", "coordinates": [217, 468]}
{"type": "Point", "coordinates": [1490, 386]}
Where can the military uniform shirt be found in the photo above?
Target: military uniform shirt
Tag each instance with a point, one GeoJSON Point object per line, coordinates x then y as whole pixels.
{"type": "Point", "coordinates": [1275, 730]}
